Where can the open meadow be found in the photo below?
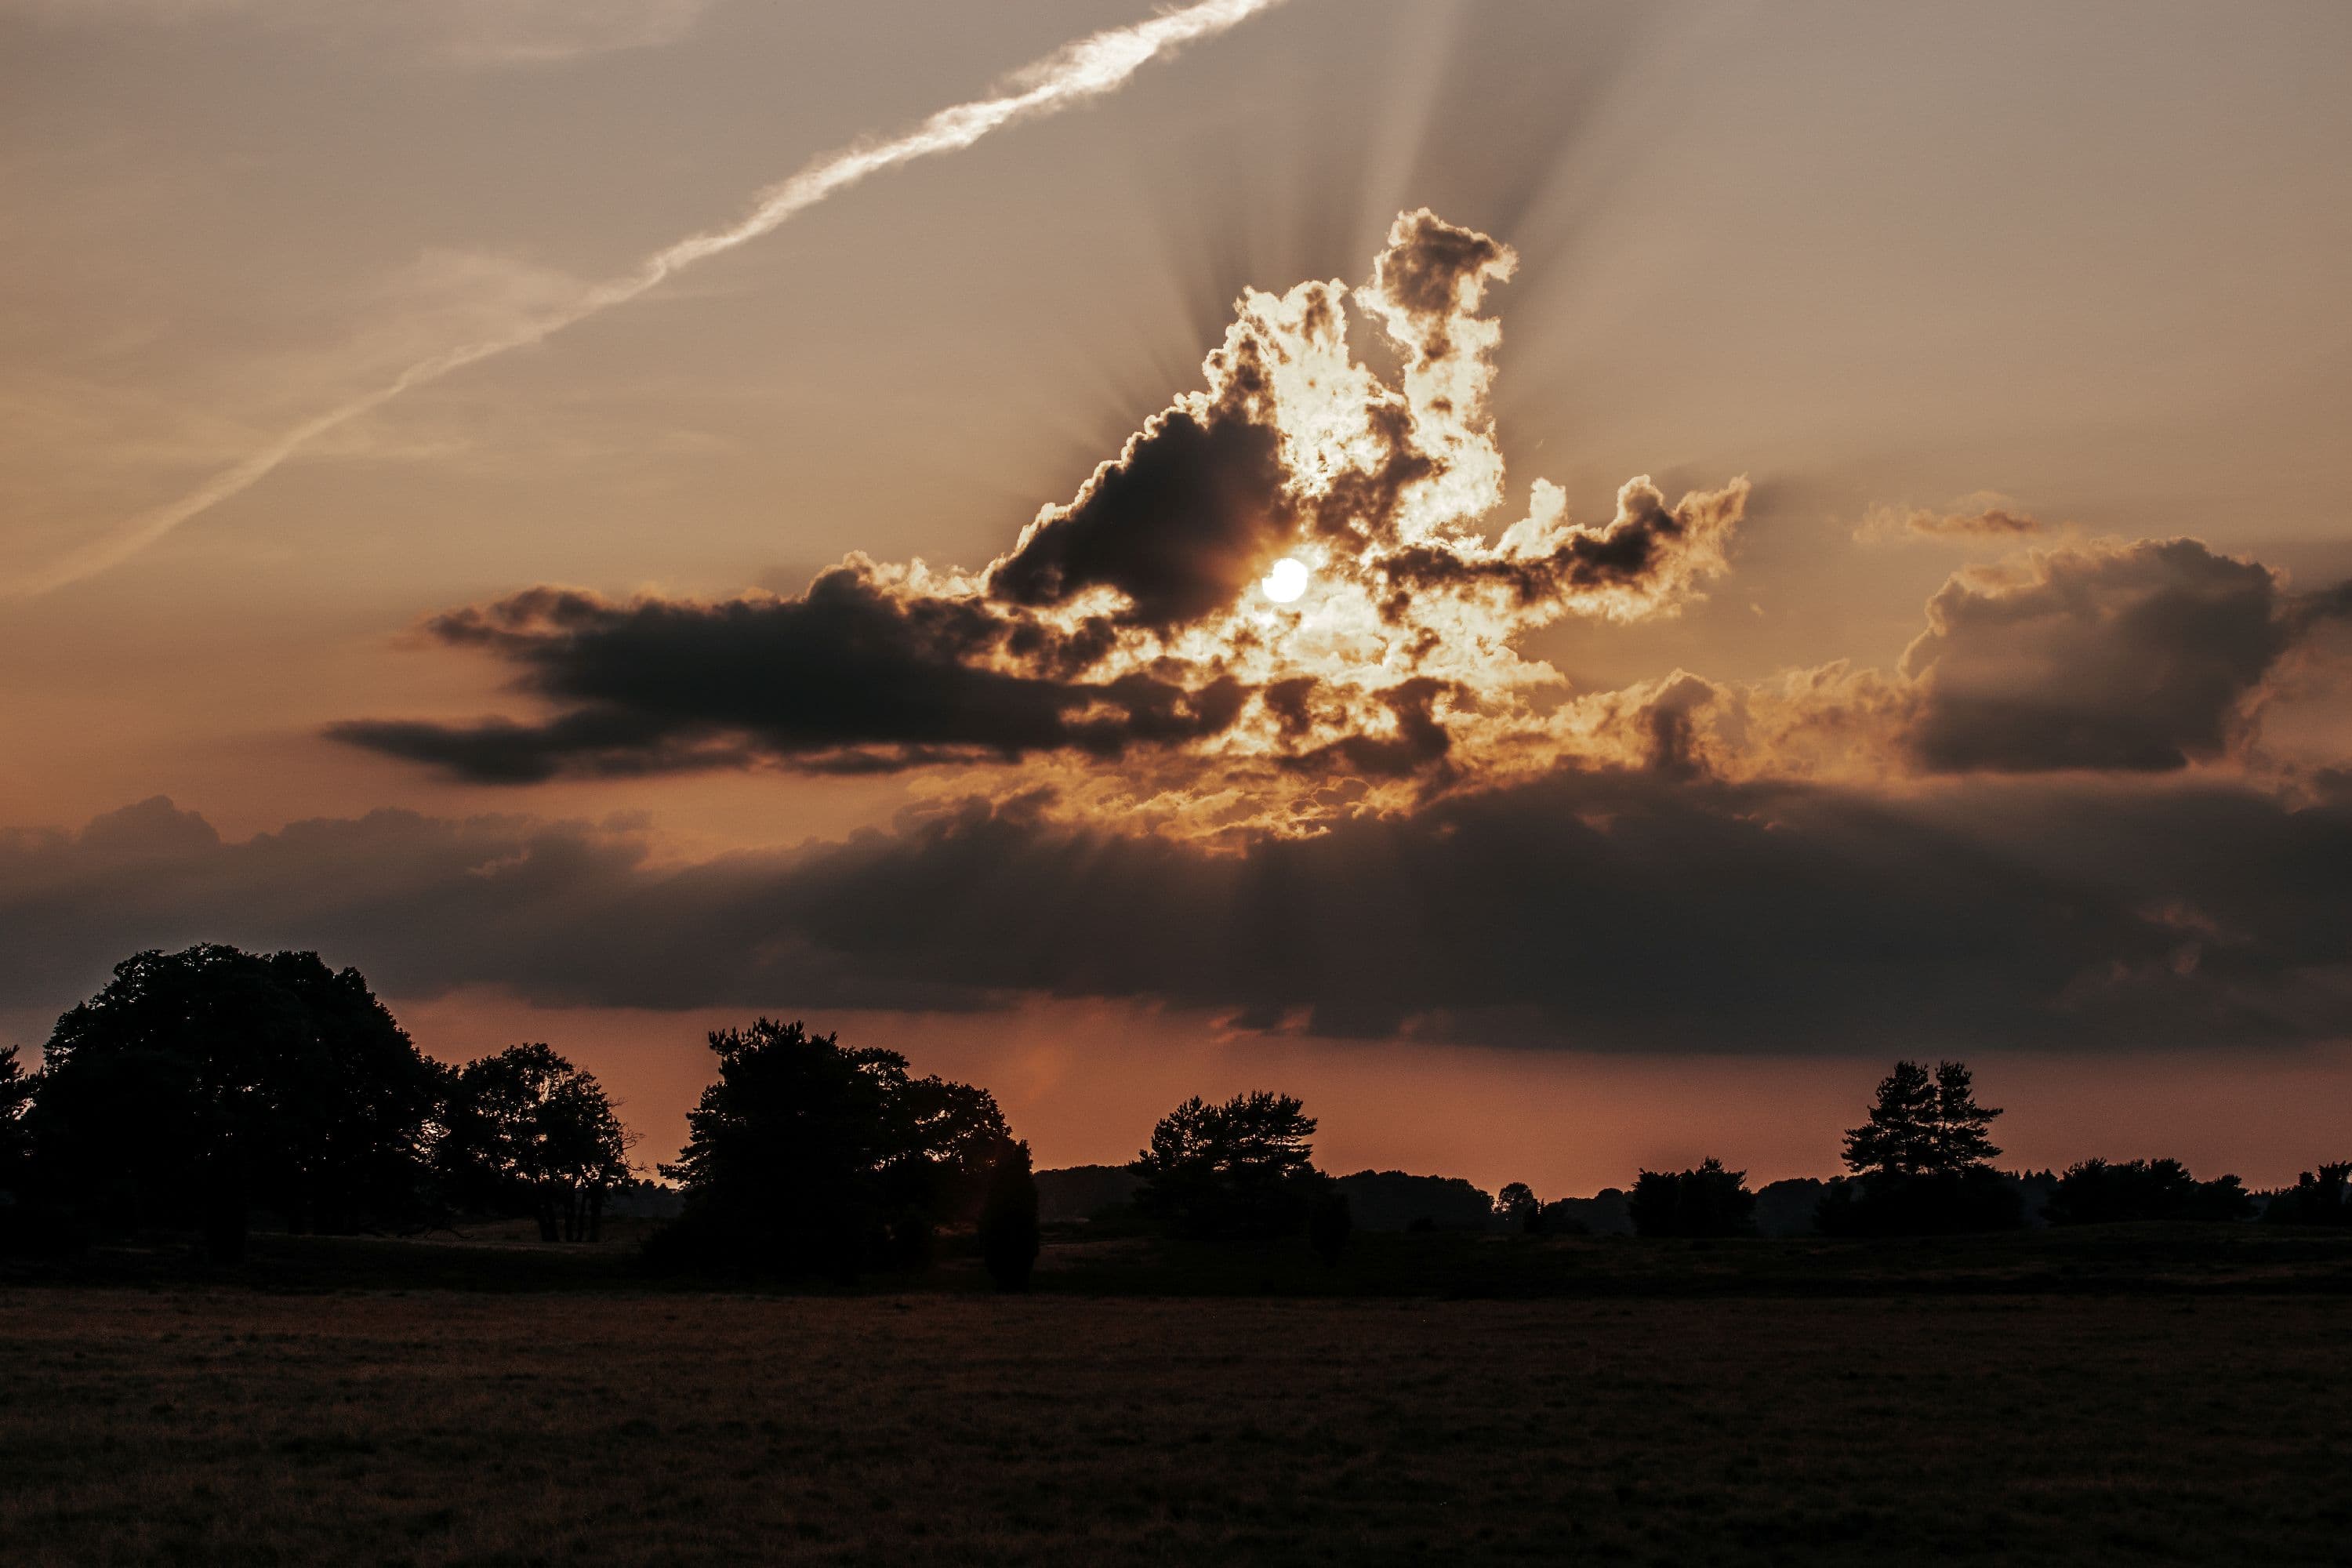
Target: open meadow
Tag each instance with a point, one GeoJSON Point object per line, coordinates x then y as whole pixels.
{"type": "Point", "coordinates": [191, 1422]}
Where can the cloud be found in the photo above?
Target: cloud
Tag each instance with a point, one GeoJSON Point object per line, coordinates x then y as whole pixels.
{"type": "Point", "coordinates": [1982, 517]}
{"type": "Point", "coordinates": [1176, 528]}
{"type": "Point", "coordinates": [2113, 656]}
{"type": "Point", "coordinates": [1609, 910]}
{"type": "Point", "coordinates": [850, 676]}
{"type": "Point", "coordinates": [2120, 656]}
{"type": "Point", "coordinates": [1130, 618]}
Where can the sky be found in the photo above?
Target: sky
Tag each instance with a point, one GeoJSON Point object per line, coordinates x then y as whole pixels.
{"type": "Point", "coordinates": [1821, 527]}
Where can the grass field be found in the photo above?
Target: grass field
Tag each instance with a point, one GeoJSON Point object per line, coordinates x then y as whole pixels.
{"type": "Point", "coordinates": [213, 1424]}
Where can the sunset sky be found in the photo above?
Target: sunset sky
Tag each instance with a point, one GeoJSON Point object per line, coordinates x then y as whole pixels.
{"type": "Point", "coordinates": [1823, 532]}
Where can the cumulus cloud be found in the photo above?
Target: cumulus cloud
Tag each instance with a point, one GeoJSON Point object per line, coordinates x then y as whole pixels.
{"type": "Point", "coordinates": [1176, 528]}
{"type": "Point", "coordinates": [2114, 656]}
{"type": "Point", "coordinates": [1132, 618]}
{"type": "Point", "coordinates": [2121, 655]}
{"type": "Point", "coordinates": [1609, 910]}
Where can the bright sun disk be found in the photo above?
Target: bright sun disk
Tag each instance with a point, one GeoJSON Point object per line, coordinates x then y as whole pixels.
{"type": "Point", "coordinates": [1286, 581]}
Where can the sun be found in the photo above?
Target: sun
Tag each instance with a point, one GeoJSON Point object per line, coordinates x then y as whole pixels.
{"type": "Point", "coordinates": [1286, 581]}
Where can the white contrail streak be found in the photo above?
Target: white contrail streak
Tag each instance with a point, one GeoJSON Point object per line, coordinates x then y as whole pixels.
{"type": "Point", "coordinates": [1088, 68]}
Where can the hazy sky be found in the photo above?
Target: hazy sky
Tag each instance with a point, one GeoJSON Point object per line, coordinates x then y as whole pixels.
{"type": "Point", "coordinates": [1945, 285]}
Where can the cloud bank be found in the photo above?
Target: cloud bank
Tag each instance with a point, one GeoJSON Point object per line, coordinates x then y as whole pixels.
{"type": "Point", "coordinates": [1606, 910]}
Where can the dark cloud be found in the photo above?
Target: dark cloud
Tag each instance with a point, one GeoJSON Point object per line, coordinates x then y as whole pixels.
{"type": "Point", "coordinates": [852, 676]}
{"type": "Point", "coordinates": [1183, 521]}
{"type": "Point", "coordinates": [1414, 742]}
{"type": "Point", "coordinates": [1596, 910]}
{"type": "Point", "coordinates": [2309, 610]}
{"type": "Point", "coordinates": [603, 742]}
{"type": "Point", "coordinates": [1646, 550]}
{"type": "Point", "coordinates": [2138, 657]}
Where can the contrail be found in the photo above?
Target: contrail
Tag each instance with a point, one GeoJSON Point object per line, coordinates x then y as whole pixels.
{"type": "Point", "coordinates": [1088, 68]}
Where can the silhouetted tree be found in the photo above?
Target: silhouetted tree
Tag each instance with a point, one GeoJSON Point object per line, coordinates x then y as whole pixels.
{"type": "Point", "coordinates": [1899, 1137]}
{"type": "Point", "coordinates": [1329, 1223]}
{"type": "Point", "coordinates": [1922, 1126]}
{"type": "Point", "coordinates": [200, 1083]}
{"type": "Point", "coordinates": [2323, 1197]}
{"type": "Point", "coordinates": [807, 1156]}
{"type": "Point", "coordinates": [960, 1135]}
{"type": "Point", "coordinates": [1240, 1169]}
{"type": "Point", "coordinates": [1517, 1206]}
{"type": "Point", "coordinates": [31, 1223]}
{"type": "Point", "coordinates": [16, 1143]}
{"type": "Point", "coordinates": [1706, 1200]}
{"type": "Point", "coordinates": [1922, 1162]}
{"type": "Point", "coordinates": [525, 1131]}
{"type": "Point", "coordinates": [2096, 1192]}
{"type": "Point", "coordinates": [1959, 1138]}
{"type": "Point", "coordinates": [1008, 1219]}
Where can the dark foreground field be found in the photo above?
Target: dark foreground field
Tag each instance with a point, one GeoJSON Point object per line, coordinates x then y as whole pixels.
{"type": "Point", "coordinates": [222, 1425]}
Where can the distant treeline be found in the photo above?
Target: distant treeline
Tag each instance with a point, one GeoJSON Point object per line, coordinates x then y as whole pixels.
{"type": "Point", "coordinates": [203, 1090]}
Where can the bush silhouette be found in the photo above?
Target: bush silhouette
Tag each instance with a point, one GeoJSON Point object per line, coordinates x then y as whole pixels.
{"type": "Point", "coordinates": [2097, 1192]}
{"type": "Point", "coordinates": [1706, 1200]}
{"type": "Point", "coordinates": [1329, 1223]}
{"type": "Point", "coordinates": [1939, 1202]}
{"type": "Point", "coordinates": [1395, 1200]}
{"type": "Point", "coordinates": [1517, 1208]}
{"type": "Point", "coordinates": [1008, 1220]}
{"type": "Point", "coordinates": [2323, 1197]}
{"type": "Point", "coordinates": [1602, 1214]}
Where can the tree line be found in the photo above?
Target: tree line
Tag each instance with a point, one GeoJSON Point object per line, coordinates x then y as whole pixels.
{"type": "Point", "coordinates": [200, 1088]}
{"type": "Point", "coordinates": [1922, 1164]}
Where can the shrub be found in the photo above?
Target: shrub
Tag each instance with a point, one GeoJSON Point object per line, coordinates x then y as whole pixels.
{"type": "Point", "coordinates": [2323, 1198]}
{"type": "Point", "coordinates": [1943, 1203]}
{"type": "Point", "coordinates": [1328, 1226]}
{"type": "Point", "coordinates": [1008, 1220]}
{"type": "Point", "coordinates": [1706, 1200]}
{"type": "Point", "coordinates": [2097, 1192]}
